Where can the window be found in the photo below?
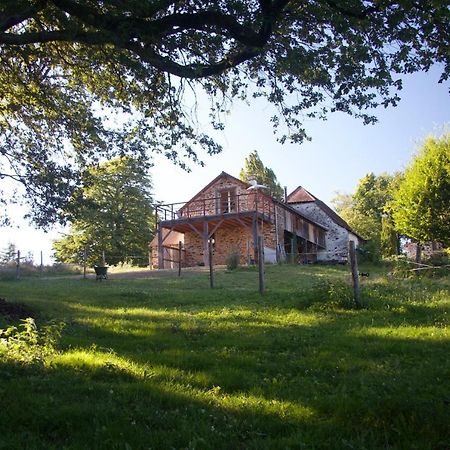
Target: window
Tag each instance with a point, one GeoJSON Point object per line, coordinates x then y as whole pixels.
{"type": "Point", "coordinates": [227, 199]}
{"type": "Point", "coordinates": [319, 237]}
{"type": "Point", "coordinates": [305, 230]}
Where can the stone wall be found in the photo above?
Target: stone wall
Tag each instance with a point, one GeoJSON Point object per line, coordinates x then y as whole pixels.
{"type": "Point", "coordinates": [193, 245]}
{"type": "Point", "coordinates": [230, 240]}
{"type": "Point", "coordinates": [337, 237]}
{"type": "Point", "coordinates": [208, 202]}
{"type": "Point", "coordinates": [227, 240]}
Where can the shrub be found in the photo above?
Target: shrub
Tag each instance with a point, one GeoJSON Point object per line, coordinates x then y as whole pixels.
{"type": "Point", "coordinates": [233, 259]}
{"type": "Point", "coordinates": [27, 344]}
{"type": "Point", "coordinates": [369, 252]}
{"type": "Point", "coordinates": [334, 295]}
{"type": "Point", "coordinates": [401, 267]}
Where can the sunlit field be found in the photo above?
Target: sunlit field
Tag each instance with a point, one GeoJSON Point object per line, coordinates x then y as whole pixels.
{"type": "Point", "coordinates": [162, 363]}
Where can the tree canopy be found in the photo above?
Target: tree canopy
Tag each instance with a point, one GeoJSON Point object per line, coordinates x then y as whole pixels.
{"type": "Point", "coordinates": [87, 79]}
{"type": "Point", "coordinates": [421, 207]}
{"type": "Point", "coordinates": [368, 212]}
{"type": "Point", "coordinates": [254, 169]}
{"type": "Point", "coordinates": [114, 215]}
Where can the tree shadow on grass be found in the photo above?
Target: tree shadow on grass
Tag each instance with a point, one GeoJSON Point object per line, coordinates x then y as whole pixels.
{"type": "Point", "coordinates": [255, 384]}
{"type": "Point", "coordinates": [105, 407]}
{"type": "Point", "coordinates": [148, 376]}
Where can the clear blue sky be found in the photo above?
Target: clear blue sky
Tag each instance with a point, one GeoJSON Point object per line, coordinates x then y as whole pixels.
{"type": "Point", "coordinates": [341, 152]}
{"type": "Point", "coordinates": [342, 149]}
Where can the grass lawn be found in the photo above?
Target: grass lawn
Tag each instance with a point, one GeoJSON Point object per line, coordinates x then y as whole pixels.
{"type": "Point", "coordinates": [166, 363]}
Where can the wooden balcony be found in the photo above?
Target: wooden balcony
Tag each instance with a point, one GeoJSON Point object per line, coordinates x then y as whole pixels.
{"type": "Point", "coordinates": [239, 209]}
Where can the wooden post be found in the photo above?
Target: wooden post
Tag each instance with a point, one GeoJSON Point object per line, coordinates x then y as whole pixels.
{"type": "Point", "coordinates": [210, 260]}
{"type": "Point", "coordinates": [18, 265]}
{"type": "Point", "coordinates": [255, 236]}
{"type": "Point", "coordinates": [418, 253]}
{"type": "Point", "coordinates": [160, 249]}
{"type": "Point", "coordinates": [103, 258]}
{"type": "Point", "coordinates": [180, 248]}
{"type": "Point", "coordinates": [261, 264]}
{"type": "Point", "coordinates": [277, 242]}
{"type": "Point", "coordinates": [205, 244]}
{"type": "Point", "coordinates": [292, 252]}
{"type": "Point", "coordinates": [42, 263]}
{"type": "Point", "coordinates": [355, 276]}
{"type": "Point", "coordinates": [84, 262]}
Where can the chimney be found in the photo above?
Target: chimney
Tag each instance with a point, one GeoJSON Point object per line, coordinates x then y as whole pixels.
{"type": "Point", "coordinates": [285, 194]}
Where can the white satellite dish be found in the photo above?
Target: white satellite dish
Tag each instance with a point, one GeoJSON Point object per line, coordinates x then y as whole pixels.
{"type": "Point", "coordinates": [255, 185]}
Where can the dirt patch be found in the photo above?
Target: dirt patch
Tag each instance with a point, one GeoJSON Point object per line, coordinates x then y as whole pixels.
{"type": "Point", "coordinates": [15, 311]}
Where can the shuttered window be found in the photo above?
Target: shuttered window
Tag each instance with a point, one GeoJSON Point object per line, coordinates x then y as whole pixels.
{"type": "Point", "coordinates": [227, 201]}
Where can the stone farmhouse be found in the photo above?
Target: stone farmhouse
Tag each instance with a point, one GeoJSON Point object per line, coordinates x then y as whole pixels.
{"type": "Point", "coordinates": [339, 232]}
{"type": "Point", "coordinates": [228, 215]}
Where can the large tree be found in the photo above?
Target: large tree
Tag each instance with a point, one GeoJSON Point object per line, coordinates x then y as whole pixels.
{"type": "Point", "coordinates": [254, 169]}
{"type": "Point", "coordinates": [368, 212]}
{"type": "Point", "coordinates": [67, 66]}
{"type": "Point", "coordinates": [366, 225]}
{"type": "Point", "coordinates": [421, 207]}
{"type": "Point", "coordinates": [113, 214]}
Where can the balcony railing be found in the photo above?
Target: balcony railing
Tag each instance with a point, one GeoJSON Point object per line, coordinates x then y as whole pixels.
{"type": "Point", "coordinates": [211, 206]}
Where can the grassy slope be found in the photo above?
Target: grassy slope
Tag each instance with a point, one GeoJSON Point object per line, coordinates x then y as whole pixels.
{"type": "Point", "coordinates": [169, 363]}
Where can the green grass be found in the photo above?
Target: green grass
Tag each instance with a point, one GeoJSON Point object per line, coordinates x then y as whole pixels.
{"type": "Point", "coordinates": [169, 363]}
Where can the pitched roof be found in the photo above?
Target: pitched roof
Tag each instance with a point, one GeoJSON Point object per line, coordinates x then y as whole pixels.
{"type": "Point", "coordinates": [298, 213]}
{"type": "Point", "coordinates": [301, 195]}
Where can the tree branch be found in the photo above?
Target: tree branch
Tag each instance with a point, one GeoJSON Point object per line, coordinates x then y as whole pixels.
{"type": "Point", "coordinates": [191, 71]}
{"type": "Point", "coordinates": [353, 13]}
{"type": "Point", "coordinates": [10, 17]}
{"type": "Point", "coordinates": [96, 38]}
{"type": "Point", "coordinates": [243, 34]}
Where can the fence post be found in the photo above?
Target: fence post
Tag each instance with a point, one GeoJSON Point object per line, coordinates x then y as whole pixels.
{"type": "Point", "coordinates": [355, 276]}
{"type": "Point", "coordinates": [42, 263]}
{"type": "Point", "coordinates": [180, 245]}
{"type": "Point", "coordinates": [211, 271]}
{"type": "Point", "coordinates": [18, 265]}
{"type": "Point", "coordinates": [84, 262]}
{"type": "Point", "coordinates": [261, 265]}
{"type": "Point", "coordinates": [418, 253]}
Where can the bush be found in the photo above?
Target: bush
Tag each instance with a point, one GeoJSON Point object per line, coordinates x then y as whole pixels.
{"type": "Point", "coordinates": [27, 344]}
{"type": "Point", "coordinates": [369, 252]}
{"type": "Point", "coordinates": [334, 295]}
{"type": "Point", "coordinates": [438, 259]}
{"type": "Point", "coordinates": [233, 260]}
{"type": "Point", "coordinates": [401, 267]}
